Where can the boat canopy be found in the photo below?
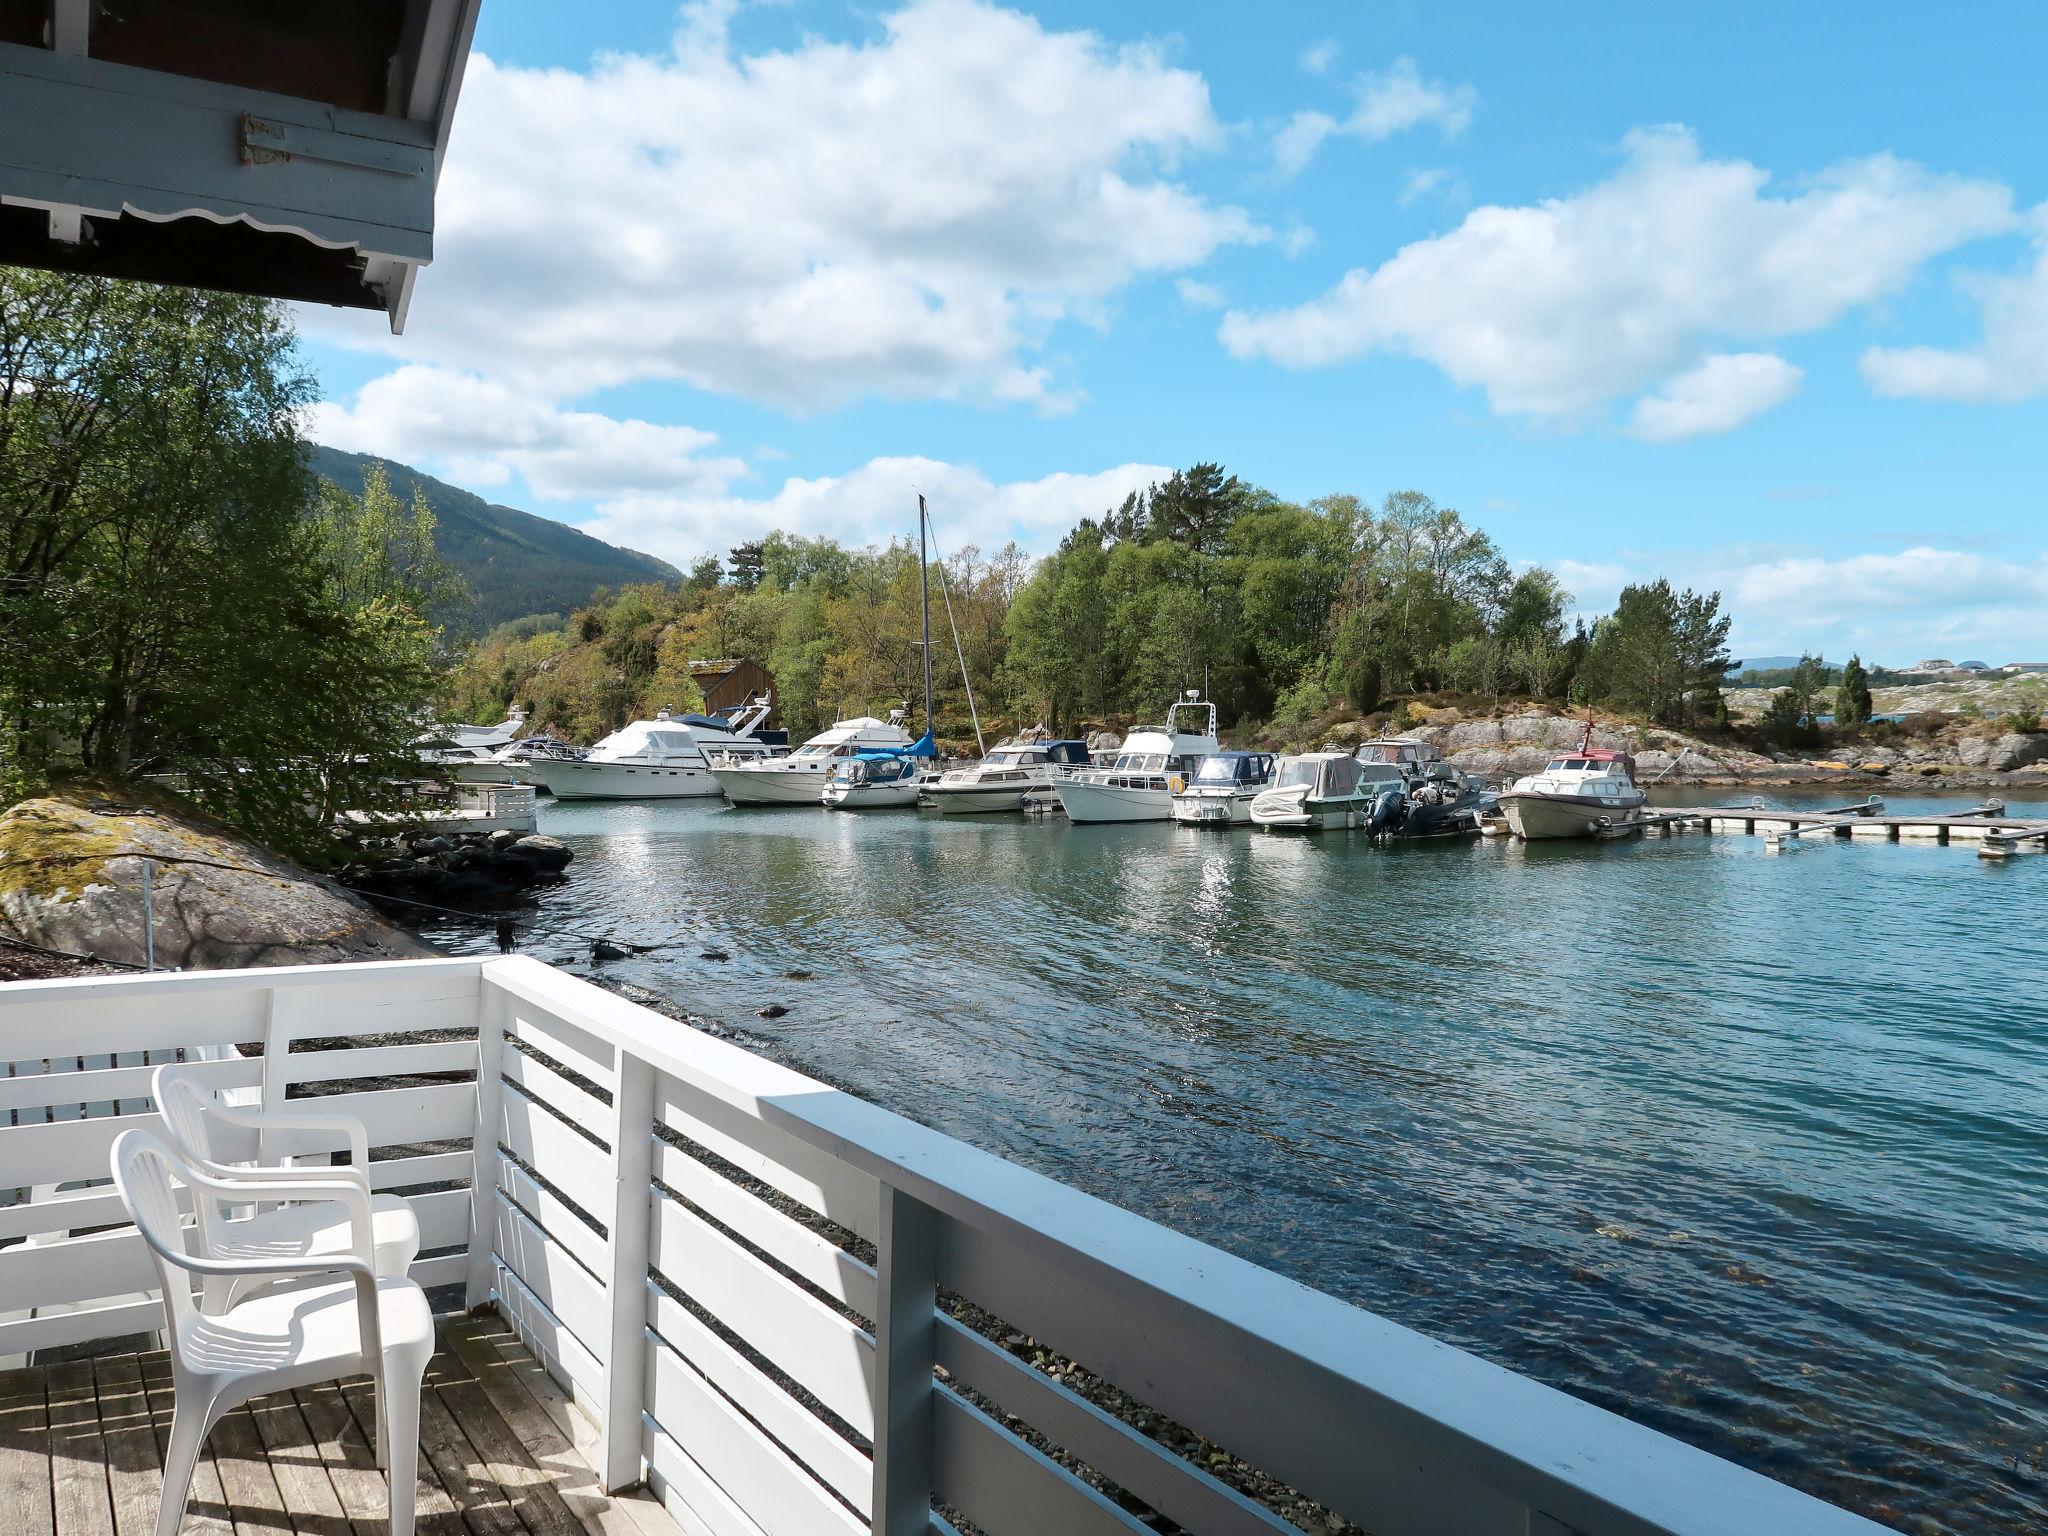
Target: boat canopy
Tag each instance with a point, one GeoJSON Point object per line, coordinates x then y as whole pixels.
{"type": "Point", "coordinates": [1324, 774]}
{"type": "Point", "coordinates": [1235, 768]}
{"type": "Point", "coordinates": [922, 747]}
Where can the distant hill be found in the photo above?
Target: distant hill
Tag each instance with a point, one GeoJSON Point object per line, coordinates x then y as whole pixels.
{"type": "Point", "coordinates": [515, 563]}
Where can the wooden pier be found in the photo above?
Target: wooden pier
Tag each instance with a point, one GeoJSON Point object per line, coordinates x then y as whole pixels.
{"type": "Point", "coordinates": [1995, 834]}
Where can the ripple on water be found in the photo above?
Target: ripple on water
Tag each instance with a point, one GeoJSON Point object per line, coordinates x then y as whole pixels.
{"type": "Point", "coordinates": [1748, 1148]}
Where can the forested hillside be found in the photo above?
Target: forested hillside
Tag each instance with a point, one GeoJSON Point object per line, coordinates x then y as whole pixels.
{"type": "Point", "coordinates": [513, 562]}
{"type": "Point", "coordinates": [1202, 581]}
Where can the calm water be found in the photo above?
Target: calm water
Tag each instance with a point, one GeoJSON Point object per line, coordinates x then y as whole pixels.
{"type": "Point", "coordinates": [1753, 1149]}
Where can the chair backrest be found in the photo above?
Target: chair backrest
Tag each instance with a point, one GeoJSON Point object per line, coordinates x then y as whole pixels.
{"type": "Point", "coordinates": [189, 1110]}
{"type": "Point", "coordinates": [146, 1173]}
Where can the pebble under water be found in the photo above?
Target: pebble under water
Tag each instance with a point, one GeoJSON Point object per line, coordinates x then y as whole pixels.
{"type": "Point", "coordinates": [1751, 1149]}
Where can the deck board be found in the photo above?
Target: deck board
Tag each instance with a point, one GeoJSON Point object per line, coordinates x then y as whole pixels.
{"type": "Point", "coordinates": [78, 1453]}
{"type": "Point", "coordinates": [25, 1484]}
{"type": "Point", "coordinates": [82, 1443]}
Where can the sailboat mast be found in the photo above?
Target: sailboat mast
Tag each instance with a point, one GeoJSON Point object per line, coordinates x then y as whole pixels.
{"type": "Point", "coordinates": [924, 589]}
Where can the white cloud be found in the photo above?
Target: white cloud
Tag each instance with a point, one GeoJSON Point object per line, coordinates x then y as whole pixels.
{"type": "Point", "coordinates": [1557, 308]}
{"type": "Point", "coordinates": [2009, 364]}
{"type": "Point", "coordinates": [1198, 295]}
{"type": "Point", "coordinates": [873, 504]}
{"type": "Point", "coordinates": [1890, 606]}
{"type": "Point", "coordinates": [1434, 181]}
{"type": "Point", "coordinates": [906, 216]}
{"type": "Point", "coordinates": [1717, 396]}
{"type": "Point", "coordinates": [1317, 58]}
{"type": "Point", "coordinates": [479, 433]}
{"type": "Point", "coordinates": [1394, 100]}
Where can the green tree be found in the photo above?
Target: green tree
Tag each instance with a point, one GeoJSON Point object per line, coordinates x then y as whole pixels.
{"type": "Point", "coordinates": [1852, 694]}
{"type": "Point", "coordinates": [178, 597]}
{"type": "Point", "coordinates": [1792, 716]}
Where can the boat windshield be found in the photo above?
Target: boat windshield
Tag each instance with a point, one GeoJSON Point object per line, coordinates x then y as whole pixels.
{"type": "Point", "coordinates": [1141, 762]}
{"type": "Point", "coordinates": [1218, 770]}
{"type": "Point", "coordinates": [1004, 760]}
{"type": "Point", "coordinates": [1299, 773]}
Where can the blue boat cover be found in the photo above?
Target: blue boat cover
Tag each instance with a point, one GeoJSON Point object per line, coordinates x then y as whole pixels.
{"type": "Point", "coordinates": [922, 747]}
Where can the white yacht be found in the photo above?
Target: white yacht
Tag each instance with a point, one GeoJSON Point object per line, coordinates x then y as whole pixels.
{"type": "Point", "coordinates": [1314, 790]}
{"type": "Point", "coordinates": [1222, 790]}
{"type": "Point", "coordinates": [470, 752]}
{"type": "Point", "coordinates": [659, 759]}
{"type": "Point", "coordinates": [1138, 786]}
{"type": "Point", "coordinates": [1000, 781]}
{"type": "Point", "coordinates": [799, 779]}
{"type": "Point", "coordinates": [1580, 793]}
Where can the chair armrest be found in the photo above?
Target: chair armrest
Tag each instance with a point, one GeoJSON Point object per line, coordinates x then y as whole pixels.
{"type": "Point", "coordinates": [350, 1192]}
{"type": "Point", "coordinates": [352, 1129]}
{"type": "Point", "coordinates": [265, 1173]}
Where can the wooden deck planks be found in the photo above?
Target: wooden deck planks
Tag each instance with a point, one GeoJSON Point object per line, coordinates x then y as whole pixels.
{"type": "Point", "coordinates": [78, 1453]}
{"type": "Point", "coordinates": [135, 1476]}
{"type": "Point", "coordinates": [475, 1342]}
{"type": "Point", "coordinates": [82, 1443]}
{"type": "Point", "coordinates": [25, 1482]}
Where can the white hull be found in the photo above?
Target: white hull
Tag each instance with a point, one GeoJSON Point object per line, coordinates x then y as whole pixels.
{"type": "Point", "coordinates": [872, 797]}
{"type": "Point", "coordinates": [1540, 817]}
{"type": "Point", "coordinates": [614, 781]}
{"type": "Point", "coordinates": [1305, 815]}
{"type": "Point", "coordinates": [972, 799]}
{"type": "Point", "coordinates": [1087, 802]}
{"type": "Point", "coordinates": [1199, 810]}
{"type": "Point", "coordinates": [773, 786]}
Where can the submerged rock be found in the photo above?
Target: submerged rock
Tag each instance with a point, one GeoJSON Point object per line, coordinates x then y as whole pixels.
{"type": "Point", "coordinates": [71, 879]}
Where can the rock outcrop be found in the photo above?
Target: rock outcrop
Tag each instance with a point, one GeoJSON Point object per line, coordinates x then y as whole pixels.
{"type": "Point", "coordinates": [464, 870]}
{"type": "Point", "coordinates": [71, 872]}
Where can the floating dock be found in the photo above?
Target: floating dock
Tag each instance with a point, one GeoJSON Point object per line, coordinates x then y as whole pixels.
{"type": "Point", "coordinates": [1995, 834]}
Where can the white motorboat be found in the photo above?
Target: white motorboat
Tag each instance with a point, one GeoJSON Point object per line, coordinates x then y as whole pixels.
{"type": "Point", "coordinates": [1312, 791]}
{"type": "Point", "coordinates": [1581, 793]}
{"type": "Point", "coordinates": [1138, 786]}
{"type": "Point", "coordinates": [879, 781]}
{"type": "Point", "coordinates": [1002, 780]}
{"type": "Point", "coordinates": [1222, 790]}
{"type": "Point", "coordinates": [470, 752]}
{"type": "Point", "coordinates": [799, 778]}
{"type": "Point", "coordinates": [666, 758]}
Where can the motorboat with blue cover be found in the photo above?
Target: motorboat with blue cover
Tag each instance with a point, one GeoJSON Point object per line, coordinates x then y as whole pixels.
{"type": "Point", "coordinates": [882, 778]}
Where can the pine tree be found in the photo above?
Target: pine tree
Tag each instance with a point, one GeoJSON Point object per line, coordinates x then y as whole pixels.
{"type": "Point", "coordinates": [1852, 694]}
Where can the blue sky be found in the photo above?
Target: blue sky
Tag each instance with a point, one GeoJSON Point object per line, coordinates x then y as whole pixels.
{"type": "Point", "coordinates": [1753, 297]}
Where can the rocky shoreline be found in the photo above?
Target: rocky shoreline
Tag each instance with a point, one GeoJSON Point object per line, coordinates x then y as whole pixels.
{"type": "Point", "coordinates": [1508, 746]}
{"type": "Point", "coordinates": [461, 870]}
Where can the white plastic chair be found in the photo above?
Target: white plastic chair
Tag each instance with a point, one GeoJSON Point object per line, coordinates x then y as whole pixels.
{"type": "Point", "coordinates": [282, 1338]}
{"type": "Point", "coordinates": [202, 1127]}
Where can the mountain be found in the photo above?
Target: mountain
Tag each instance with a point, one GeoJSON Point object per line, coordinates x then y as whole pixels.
{"type": "Point", "coordinates": [515, 563]}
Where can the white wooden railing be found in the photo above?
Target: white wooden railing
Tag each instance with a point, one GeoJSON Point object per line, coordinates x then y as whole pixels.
{"type": "Point", "coordinates": [747, 1280]}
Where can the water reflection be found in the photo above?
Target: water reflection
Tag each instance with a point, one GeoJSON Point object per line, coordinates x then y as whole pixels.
{"type": "Point", "coordinates": [1749, 1148]}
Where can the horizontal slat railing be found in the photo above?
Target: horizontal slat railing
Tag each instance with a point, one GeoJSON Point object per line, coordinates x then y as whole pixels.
{"type": "Point", "coordinates": [792, 1311]}
{"type": "Point", "coordinates": [772, 1385]}
{"type": "Point", "coordinates": [64, 1283]}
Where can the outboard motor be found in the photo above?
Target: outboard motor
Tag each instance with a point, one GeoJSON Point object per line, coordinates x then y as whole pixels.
{"type": "Point", "coordinates": [1388, 807]}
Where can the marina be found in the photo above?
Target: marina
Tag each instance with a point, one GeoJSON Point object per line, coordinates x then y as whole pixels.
{"type": "Point", "coordinates": [1643, 1170]}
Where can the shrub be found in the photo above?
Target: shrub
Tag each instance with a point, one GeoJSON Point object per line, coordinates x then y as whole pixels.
{"type": "Point", "coordinates": [1301, 704]}
{"type": "Point", "coordinates": [1362, 684]}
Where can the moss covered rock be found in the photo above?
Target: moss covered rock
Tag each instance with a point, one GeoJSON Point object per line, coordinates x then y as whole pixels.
{"type": "Point", "coordinates": [71, 878]}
